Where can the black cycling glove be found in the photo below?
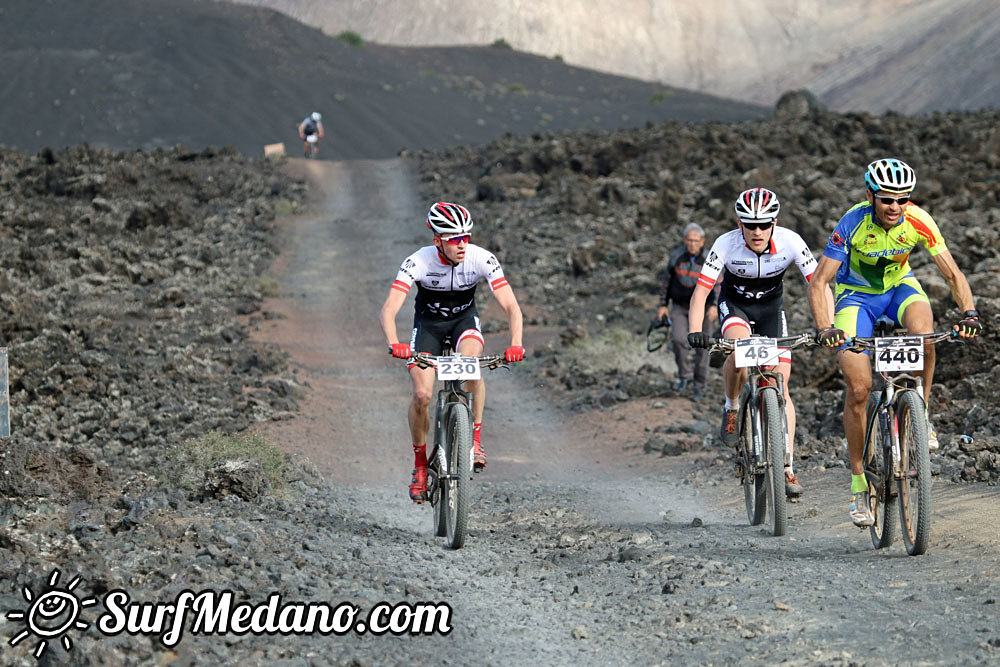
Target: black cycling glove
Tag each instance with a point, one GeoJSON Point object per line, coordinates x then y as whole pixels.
{"type": "Point", "coordinates": [699, 339]}
{"type": "Point", "coordinates": [970, 325]}
{"type": "Point", "coordinates": [831, 337]}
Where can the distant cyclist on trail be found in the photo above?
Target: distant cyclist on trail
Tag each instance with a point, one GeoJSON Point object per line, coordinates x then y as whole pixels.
{"type": "Point", "coordinates": [310, 131]}
{"type": "Point", "coordinates": [866, 257]}
{"type": "Point", "coordinates": [446, 275]}
{"type": "Point", "coordinates": [752, 261]}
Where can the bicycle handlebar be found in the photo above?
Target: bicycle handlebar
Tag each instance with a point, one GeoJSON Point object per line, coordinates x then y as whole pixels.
{"type": "Point", "coordinates": [490, 361]}
{"type": "Point", "coordinates": [861, 343]}
{"type": "Point", "coordinates": [727, 345]}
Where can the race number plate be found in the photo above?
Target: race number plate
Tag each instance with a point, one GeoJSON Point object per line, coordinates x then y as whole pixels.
{"type": "Point", "coordinates": [756, 352]}
{"type": "Point", "coordinates": [899, 353]}
{"type": "Point", "coordinates": [458, 368]}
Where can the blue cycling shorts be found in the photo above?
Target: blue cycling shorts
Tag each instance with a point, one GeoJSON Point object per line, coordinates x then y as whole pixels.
{"type": "Point", "coordinates": [855, 312]}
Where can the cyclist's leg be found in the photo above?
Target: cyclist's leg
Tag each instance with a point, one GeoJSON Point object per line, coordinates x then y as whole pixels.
{"type": "Point", "coordinates": [418, 415]}
{"type": "Point", "coordinates": [470, 344]}
{"type": "Point", "coordinates": [467, 333]}
{"type": "Point", "coordinates": [912, 309]}
{"type": "Point", "coordinates": [735, 324]}
{"type": "Point", "coordinates": [424, 337]}
{"type": "Point", "coordinates": [853, 314]}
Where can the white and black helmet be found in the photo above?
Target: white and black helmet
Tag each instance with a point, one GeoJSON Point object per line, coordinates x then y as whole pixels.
{"type": "Point", "coordinates": [756, 205]}
{"type": "Point", "coordinates": [445, 218]}
{"type": "Point", "coordinates": [316, 116]}
{"type": "Point", "coordinates": [891, 175]}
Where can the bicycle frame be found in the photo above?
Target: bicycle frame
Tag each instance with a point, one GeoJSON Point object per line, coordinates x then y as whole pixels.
{"type": "Point", "coordinates": [761, 414]}
{"type": "Point", "coordinates": [895, 477]}
{"type": "Point", "coordinates": [451, 461]}
{"type": "Point", "coordinates": [764, 379]}
{"type": "Point", "coordinates": [452, 394]}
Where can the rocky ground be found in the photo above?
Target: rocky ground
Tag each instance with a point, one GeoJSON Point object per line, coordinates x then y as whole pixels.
{"type": "Point", "coordinates": [134, 293]}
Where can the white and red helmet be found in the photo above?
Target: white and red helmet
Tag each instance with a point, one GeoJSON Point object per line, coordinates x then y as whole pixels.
{"type": "Point", "coordinates": [446, 218]}
{"type": "Point", "coordinates": [757, 205]}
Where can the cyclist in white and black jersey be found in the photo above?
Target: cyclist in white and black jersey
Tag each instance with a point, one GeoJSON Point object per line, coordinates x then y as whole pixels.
{"type": "Point", "coordinates": [751, 262]}
{"type": "Point", "coordinates": [446, 275]}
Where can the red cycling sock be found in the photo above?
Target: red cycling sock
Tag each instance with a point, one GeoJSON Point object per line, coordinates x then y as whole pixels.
{"type": "Point", "coordinates": [476, 430]}
{"type": "Point", "coordinates": [420, 456]}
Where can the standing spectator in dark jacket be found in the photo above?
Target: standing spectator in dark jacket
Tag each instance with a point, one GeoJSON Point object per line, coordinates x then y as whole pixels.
{"type": "Point", "coordinates": [679, 280]}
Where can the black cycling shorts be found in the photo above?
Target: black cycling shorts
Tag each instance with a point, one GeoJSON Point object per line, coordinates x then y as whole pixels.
{"type": "Point", "coordinates": [429, 334]}
{"type": "Point", "coordinates": [764, 319]}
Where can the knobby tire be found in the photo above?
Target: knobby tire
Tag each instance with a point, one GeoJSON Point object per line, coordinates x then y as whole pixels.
{"type": "Point", "coordinates": [455, 491]}
{"type": "Point", "coordinates": [773, 432]}
{"type": "Point", "coordinates": [881, 484]}
{"type": "Point", "coordinates": [915, 462]}
{"type": "Point", "coordinates": [754, 485]}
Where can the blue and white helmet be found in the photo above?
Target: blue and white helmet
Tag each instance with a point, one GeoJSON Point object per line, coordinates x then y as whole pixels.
{"type": "Point", "coordinates": [891, 175]}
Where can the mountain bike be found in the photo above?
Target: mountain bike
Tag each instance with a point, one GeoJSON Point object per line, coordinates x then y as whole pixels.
{"type": "Point", "coordinates": [311, 147]}
{"type": "Point", "coordinates": [762, 448]}
{"type": "Point", "coordinates": [449, 463]}
{"type": "Point", "coordinates": [897, 459]}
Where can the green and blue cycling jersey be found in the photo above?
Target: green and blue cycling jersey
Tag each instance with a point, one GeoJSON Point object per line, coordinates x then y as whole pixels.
{"type": "Point", "coordinates": [874, 277]}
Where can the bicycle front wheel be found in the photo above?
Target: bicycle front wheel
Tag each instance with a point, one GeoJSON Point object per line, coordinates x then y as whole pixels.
{"type": "Point", "coordinates": [915, 465]}
{"type": "Point", "coordinates": [878, 471]}
{"type": "Point", "coordinates": [773, 433]}
{"type": "Point", "coordinates": [455, 487]}
{"type": "Point", "coordinates": [752, 479]}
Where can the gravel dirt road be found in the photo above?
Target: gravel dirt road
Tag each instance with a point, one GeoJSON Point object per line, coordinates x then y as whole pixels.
{"type": "Point", "coordinates": [583, 549]}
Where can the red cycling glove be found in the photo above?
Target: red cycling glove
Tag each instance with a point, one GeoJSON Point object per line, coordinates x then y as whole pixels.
{"type": "Point", "coordinates": [400, 350]}
{"type": "Point", "coordinates": [514, 353]}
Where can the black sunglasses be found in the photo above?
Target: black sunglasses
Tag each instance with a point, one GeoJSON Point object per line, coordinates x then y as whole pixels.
{"type": "Point", "coordinates": [757, 225]}
{"type": "Point", "coordinates": [889, 200]}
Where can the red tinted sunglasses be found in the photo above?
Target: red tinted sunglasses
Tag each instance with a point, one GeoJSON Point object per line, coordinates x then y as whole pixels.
{"type": "Point", "coordinates": [455, 240]}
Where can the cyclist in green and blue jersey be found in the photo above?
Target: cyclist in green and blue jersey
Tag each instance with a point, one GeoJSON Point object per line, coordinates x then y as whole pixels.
{"type": "Point", "coordinates": [867, 258]}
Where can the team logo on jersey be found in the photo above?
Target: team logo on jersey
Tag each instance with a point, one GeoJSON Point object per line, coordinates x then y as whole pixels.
{"type": "Point", "coordinates": [837, 240]}
{"type": "Point", "coordinates": [901, 238]}
{"type": "Point", "coordinates": [870, 239]}
{"type": "Point", "coordinates": [408, 264]}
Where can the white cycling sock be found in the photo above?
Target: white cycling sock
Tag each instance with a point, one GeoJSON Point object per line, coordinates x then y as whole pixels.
{"type": "Point", "coordinates": [730, 403]}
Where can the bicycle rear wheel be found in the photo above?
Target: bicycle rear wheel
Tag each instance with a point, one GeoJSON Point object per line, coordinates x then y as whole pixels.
{"type": "Point", "coordinates": [754, 491]}
{"type": "Point", "coordinates": [773, 432]}
{"type": "Point", "coordinates": [881, 488]}
{"type": "Point", "coordinates": [455, 487]}
{"type": "Point", "coordinates": [915, 464]}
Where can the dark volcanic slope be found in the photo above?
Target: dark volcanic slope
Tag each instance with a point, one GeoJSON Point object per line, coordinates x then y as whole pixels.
{"type": "Point", "coordinates": [125, 74]}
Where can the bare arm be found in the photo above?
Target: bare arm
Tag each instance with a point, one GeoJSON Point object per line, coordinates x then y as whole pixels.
{"type": "Point", "coordinates": [387, 316]}
{"type": "Point", "coordinates": [820, 295]}
{"type": "Point", "coordinates": [505, 297]}
{"type": "Point", "coordinates": [696, 308]}
{"type": "Point", "coordinates": [960, 290]}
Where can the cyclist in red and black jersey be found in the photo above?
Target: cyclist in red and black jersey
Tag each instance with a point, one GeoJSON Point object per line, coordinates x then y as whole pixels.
{"type": "Point", "coordinates": [446, 275]}
{"type": "Point", "coordinates": [752, 261]}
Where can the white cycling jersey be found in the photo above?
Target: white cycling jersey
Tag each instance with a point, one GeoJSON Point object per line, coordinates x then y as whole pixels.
{"type": "Point", "coordinates": [444, 290]}
{"type": "Point", "coordinates": [751, 278]}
